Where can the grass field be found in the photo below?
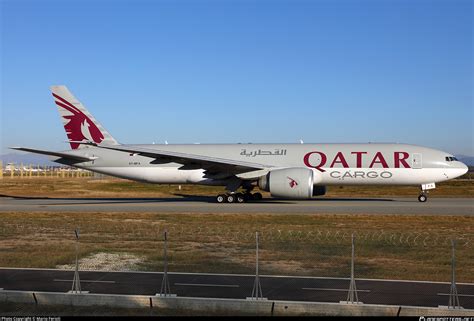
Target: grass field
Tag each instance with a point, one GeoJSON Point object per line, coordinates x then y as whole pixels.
{"type": "Point", "coordinates": [395, 247]}
{"type": "Point", "coordinates": [113, 187]}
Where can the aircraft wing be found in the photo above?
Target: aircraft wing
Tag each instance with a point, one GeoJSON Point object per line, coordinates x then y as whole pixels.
{"type": "Point", "coordinates": [214, 166]}
{"type": "Point", "coordinates": [76, 158]}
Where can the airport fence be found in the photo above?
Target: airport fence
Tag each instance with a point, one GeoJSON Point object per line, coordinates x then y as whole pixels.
{"type": "Point", "coordinates": [411, 253]}
{"type": "Point", "coordinates": [386, 246]}
{"type": "Point", "coordinates": [410, 239]}
{"type": "Point", "coordinates": [384, 254]}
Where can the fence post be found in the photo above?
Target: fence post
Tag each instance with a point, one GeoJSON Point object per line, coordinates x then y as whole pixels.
{"type": "Point", "coordinates": [76, 282]}
{"type": "Point", "coordinates": [165, 290]}
{"type": "Point", "coordinates": [453, 294]}
{"type": "Point", "coordinates": [352, 297]}
{"type": "Point", "coordinates": [257, 293]}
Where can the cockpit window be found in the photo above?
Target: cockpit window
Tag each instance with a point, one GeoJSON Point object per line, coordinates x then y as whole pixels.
{"type": "Point", "coordinates": [451, 159]}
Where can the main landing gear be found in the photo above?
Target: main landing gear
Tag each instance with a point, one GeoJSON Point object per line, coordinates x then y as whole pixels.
{"type": "Point", "coordinates": [238, 197]}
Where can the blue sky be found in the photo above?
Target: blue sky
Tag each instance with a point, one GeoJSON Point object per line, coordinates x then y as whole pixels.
{"type": "Point", "coordinates": [242, 71]}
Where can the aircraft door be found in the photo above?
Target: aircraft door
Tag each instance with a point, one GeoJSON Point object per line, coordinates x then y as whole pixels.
{"type": "Point", "coordinates": [416, 160]}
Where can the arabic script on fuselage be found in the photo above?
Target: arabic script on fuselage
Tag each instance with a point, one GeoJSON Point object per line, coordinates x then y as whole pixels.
{"type": "Point", "coordinates": [260, 152]}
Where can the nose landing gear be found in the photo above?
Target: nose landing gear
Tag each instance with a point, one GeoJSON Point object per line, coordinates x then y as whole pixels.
{"type": "Point", "coordinates": [422, 198]}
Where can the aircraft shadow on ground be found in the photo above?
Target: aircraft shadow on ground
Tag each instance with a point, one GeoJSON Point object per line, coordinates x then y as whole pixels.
{"type": "Point", "coordinates": [182, 198]}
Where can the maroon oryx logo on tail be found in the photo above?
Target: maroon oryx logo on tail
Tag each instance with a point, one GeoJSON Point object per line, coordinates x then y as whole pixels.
{"type": "Point", "coordinates": [292, 182]}
{"type": "Point", "coordinates": [78, 126]}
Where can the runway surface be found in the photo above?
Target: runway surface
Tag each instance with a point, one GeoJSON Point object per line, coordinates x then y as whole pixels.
{"type": "Point", "coordinates": [430, 294]}
{"type": "Point", "coordinates": [207, 205]}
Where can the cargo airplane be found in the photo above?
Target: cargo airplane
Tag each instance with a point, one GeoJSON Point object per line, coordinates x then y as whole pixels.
{"type": "Point", "coordinates": [293, 171]}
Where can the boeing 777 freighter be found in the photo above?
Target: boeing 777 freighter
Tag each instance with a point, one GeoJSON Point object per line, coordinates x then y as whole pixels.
{"type": "Point", "coordinates": [294, 171]}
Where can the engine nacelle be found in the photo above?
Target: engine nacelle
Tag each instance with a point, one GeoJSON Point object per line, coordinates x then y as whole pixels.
{"type": "Point", "coordinates": [288, 183]}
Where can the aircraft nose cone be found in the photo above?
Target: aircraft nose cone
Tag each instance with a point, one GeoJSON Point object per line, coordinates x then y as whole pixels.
{"type": "Point", "coordinates": [464, 168]}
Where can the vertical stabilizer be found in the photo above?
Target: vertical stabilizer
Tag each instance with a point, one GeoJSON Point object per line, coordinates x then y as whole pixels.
{"type": "Point", "coordinates": [79, 124]}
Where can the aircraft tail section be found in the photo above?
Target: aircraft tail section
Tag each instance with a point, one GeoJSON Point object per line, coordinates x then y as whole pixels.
{"type": "Point", "coordinates": [78, 122]}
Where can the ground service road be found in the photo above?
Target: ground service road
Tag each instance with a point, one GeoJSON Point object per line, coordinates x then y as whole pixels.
{"type": "Point", "coordinates": [413, 293]}
{"type": "Point", "coordinates": [207, 205]}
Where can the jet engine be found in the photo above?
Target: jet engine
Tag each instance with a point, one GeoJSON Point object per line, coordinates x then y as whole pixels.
{"type": "Point", "coordinates": [297, 183]}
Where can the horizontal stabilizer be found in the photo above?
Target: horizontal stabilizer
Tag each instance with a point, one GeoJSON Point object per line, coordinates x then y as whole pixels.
{"type": "Point", "coordinates": [58, 154]}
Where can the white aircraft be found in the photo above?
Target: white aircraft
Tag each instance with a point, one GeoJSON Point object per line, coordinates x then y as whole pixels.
{"type": "Point", "coordinates": [295, 171]}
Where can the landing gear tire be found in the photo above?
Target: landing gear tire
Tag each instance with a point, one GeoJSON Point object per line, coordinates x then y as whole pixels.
{"type": "Point", "coordinates": [221, 198]}
{"type": "Point", "coordinates": [422, 198]}
{"type": "Point", "coordinates": [257, 196]}
{"type": "Point", "coordinates": [230, 198]}
{"type": "Point", "coordinates": [240, 198]}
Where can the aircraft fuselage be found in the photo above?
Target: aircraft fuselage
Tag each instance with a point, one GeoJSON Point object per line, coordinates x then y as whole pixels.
{"type": "Point", "coordinates": [335, 164]}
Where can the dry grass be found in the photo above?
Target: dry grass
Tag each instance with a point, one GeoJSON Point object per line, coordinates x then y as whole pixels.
{"type": "Point", "coordinates": [90, 187]}
{"type": "Point", "coordinates": [114, 187]}
{"type": "Point", "coordinates": [106, 262]}
{"type": "Point", "coordinates": [395, 247]}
